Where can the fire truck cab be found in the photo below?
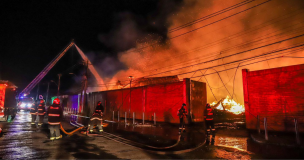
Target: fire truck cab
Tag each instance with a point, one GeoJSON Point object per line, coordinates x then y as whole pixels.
{"type": "Point", "coordinates": [25, 103]}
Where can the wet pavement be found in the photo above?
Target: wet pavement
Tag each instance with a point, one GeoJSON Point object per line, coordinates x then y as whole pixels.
{"type": "Point", "coordinates": [17, 140]}
{"type": "Point", "coordinates": [21, 140]}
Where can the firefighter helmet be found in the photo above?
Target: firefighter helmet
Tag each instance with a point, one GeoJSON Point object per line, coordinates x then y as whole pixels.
{"type": "Point", "coordinates": [41, 100]}
{"type": "Point", "coordinates": [56, 101]}
{"type": "Point", "coordinates": [184, 104]}
{"type": "Point", "coordinates": [207, 105]}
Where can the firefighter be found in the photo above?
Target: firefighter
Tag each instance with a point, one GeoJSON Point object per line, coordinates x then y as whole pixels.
{"type": "Point", "coordinates": [14, 112]}
{"type": "Point", "coordinates": [6, 113]}
{"type": "Point", "coordinates": [33, 111]}
{"type": "Point", "coordinates": [41, 112]}
{"type": "Point", "coordinates": [182, 113]}
{"type": "Point", "coordinates": [96, 118]}
{"type": "Point", "coordinates": [209, 123]}
{"type": "Point", "coordinates": [54, 117]}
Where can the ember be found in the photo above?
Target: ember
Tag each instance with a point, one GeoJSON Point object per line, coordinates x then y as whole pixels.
{"type": "Point", "coordinates": [229, 105]}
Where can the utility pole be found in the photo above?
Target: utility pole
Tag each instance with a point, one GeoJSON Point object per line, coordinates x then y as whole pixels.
{"type": "Point", "coordinates": [59, 75]}
{"type": "Point", "coordinates": [83, 89]}
{"type": "Point", "coordinates": [47, 93]}
{"type": "Point", "coordinates": [85, 85]}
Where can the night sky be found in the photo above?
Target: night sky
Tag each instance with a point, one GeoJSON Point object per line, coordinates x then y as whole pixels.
{"type": "Point", "coordinates": [34, 32]}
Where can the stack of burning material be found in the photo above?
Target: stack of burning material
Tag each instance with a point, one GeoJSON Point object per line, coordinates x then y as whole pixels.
{"type": "Point", "coordinates": [228, 109]}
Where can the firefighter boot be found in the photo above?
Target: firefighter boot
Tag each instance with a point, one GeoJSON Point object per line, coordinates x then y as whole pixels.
{"type": "Point", "coordinates": [101, 129]}
{"type": "Point", "coordinates": [52, 138]}
{"type": "Point", "coordinates": [59, 137]}
{"type": "Point", "coordinates": [212, 141]}
{"type": "Point", "coordinates": [208, 135]}
{"type": "Point", "coordinates": [90, 129]}
{"type": "Point", "coordinates": [213, 136]}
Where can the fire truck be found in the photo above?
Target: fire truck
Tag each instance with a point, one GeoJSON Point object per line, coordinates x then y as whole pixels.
{"type": "Point", "coordinates": [8, 103]}
{"type": "Point", "coordinates": [25, 103]}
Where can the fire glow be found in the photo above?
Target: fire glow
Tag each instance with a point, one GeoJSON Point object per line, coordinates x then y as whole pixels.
{"type": "Point", "coordinates": [229, 105]}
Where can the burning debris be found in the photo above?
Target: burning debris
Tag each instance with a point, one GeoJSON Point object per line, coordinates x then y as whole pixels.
{"type": "Point", "coordinates": [228, 104]}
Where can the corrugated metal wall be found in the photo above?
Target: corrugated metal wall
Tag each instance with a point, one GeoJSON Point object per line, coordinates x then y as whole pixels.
{"type": "Point", "coordinates": [277, 94]}
{"type": "Point", "coordinates": [162, 99]}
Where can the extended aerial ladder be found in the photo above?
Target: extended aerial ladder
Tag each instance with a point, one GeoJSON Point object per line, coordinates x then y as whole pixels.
{"type": "Point", "coordinates": [41, 75]}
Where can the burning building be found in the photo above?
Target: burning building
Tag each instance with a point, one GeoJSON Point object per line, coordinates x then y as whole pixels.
{"type": "Point", "coordinates": [275, 94]}
{"type": "Point", "coordinates": [162, 96]}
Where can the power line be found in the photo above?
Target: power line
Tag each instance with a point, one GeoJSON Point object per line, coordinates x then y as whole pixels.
{"type": "Point", "coordinates": [242, 45]}
{"type": "Point", "coordinates": [220, 19]}
{"type": "Point", "coordinates": [205, 25]}
{"type": "Point", "coordinates": [234, 79]}
{"type": "Point", "coordinates": [229, 55]}
{"type": "Point", "coordinates": [210, 16]}
{"type": "Point", "coordinates": [253, 57]}
{"type": "Point", "coordinates": [250, 64]}
{"type": "Point", "coordinates": [245, 59]}
{"type": "Point", "coordinates": [241, 34]}
{"type": "Point", "coordinates": [203, 75]}
{"type": "Point", "coordinates": [245, 65]}
{"type": "Point", "coordinates": [236, 69]}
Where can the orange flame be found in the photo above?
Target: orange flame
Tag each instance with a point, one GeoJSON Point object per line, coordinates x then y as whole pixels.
{"type": "Point", "coordinates": [230, 105]}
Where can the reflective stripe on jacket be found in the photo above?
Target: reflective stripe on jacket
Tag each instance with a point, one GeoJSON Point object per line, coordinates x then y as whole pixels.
{"type": "Point", "coordinates": [54, 114]}
{"type": "Point", "coordinates": [208, 114]}
{"type": "Point", "coordinates": [41, 109]}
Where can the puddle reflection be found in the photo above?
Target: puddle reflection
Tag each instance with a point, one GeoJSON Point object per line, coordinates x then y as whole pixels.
{"type": "Point", "coordinates": [234, 142]}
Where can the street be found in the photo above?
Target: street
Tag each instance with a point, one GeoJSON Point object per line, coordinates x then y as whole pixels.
{"type": "Point", "coordinates": [23, 141]}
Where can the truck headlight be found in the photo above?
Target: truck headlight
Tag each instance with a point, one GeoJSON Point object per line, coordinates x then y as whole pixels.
{"type": "Point", "coordinates": [29, 105]}
{"type": "Point", "coordinates": [23, 105]}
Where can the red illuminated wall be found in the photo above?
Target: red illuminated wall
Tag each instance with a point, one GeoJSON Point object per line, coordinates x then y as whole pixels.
{"type": "Point", "coordinates": [277, 94]}
{"type": "Point", "coordinates": [162, 99]}
{"type": "Point", "coordinates": [2, 95]}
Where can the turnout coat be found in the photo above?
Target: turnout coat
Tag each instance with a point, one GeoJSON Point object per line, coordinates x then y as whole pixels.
{"type": "Point", "coordinates": [41, 109]}
{"type": "Point", "coordinates": [98, 113]}
{"type": "Point", "coordinates": [34, 109]}
{"type": "Point", "coordinates": [54, 114]}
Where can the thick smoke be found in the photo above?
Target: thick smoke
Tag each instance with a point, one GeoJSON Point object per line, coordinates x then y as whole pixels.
{"type": "Point", "coordinates": [150, 54]}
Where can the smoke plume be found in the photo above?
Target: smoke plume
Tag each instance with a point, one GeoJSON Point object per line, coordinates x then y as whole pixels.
{"type": "Point", "coordinates": [254, 23]}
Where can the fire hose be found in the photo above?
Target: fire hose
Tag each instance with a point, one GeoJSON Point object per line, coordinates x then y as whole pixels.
{"type": "Point", "coordinates": [163, 152]}
{"type": "Point", "coordinates": [148, 146]}
{"type": "Point", "coordinates": [70, 133]}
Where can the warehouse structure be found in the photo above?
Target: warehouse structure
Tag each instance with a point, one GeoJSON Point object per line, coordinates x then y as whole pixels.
{"type": "Point", "coordinates": [162, 96]}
